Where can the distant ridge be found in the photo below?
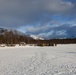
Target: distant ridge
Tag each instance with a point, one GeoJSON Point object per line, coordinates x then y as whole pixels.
{"type": "Point", "coordinates": [10, 36]}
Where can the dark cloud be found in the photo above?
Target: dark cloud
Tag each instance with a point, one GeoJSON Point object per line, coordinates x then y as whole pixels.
{"type": "Point", "coordinates": [36, 16]}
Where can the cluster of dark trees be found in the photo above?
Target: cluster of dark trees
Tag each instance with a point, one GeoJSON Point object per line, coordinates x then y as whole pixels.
{"type": "Point", "coordinates": [13, 37]}
{"type": "Point", "coordinates": [56, 41]}
{"type": "Point", "coordinates": [64, 41]}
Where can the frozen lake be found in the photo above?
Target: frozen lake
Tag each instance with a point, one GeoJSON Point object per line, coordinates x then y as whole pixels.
{"type": "Point", "coordinates": [29, 60]}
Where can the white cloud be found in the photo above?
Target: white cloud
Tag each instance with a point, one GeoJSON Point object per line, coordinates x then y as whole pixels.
{"type": "Point", "coordinates": [38, 28]}
{"type": "Point", "coordinates": [58, 6]}
{"type": "Point", "coordinates": [61, 32]}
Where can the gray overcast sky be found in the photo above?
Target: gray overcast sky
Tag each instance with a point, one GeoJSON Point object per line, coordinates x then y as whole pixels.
{"type": "Point", "coordinates": [43, 18]}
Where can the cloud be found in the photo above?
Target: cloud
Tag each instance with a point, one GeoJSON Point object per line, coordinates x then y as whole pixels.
{"type": "Point", "coordinates": [58, 6]}
{"type": "Point", "coordinates": [38, 16]}
{"type": "Point", "coordinates": [26, 11]}
{"type": "Point", "coordinates": [54, 30]}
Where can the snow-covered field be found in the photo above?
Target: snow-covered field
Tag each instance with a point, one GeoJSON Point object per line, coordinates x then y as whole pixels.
{"type": "Point", "coordinates": [58, 60]}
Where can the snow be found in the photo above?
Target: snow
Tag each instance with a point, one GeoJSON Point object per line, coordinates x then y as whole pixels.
{"type": "Point", "coordinates": [36, 37]}
{"type": "Point", "coordinates": [30, 60]}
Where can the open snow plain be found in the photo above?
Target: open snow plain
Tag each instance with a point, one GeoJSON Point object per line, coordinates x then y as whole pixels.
{"type": "Point", "coordinates": [58, 60]}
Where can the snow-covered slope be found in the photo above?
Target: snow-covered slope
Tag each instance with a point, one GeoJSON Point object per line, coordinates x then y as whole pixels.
{"type": "Point", "coordinates": [29, 60]}
{"type": "Point", "coordinates": [36, 38]}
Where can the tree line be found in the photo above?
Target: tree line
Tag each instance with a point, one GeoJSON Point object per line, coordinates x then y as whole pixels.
{"type": "Point", "coordinates": [13, 37]}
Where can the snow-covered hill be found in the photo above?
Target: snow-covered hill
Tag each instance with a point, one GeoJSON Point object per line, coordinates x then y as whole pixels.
{"type": "Point", "coordinates": [36, 38]}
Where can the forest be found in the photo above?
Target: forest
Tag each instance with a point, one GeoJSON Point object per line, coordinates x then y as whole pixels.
{"type": "Point", "coordinates": [14, 37]}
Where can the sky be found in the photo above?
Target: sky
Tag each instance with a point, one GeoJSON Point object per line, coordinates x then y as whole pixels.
{"type": "Point", "coordinates": [42, 18]}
